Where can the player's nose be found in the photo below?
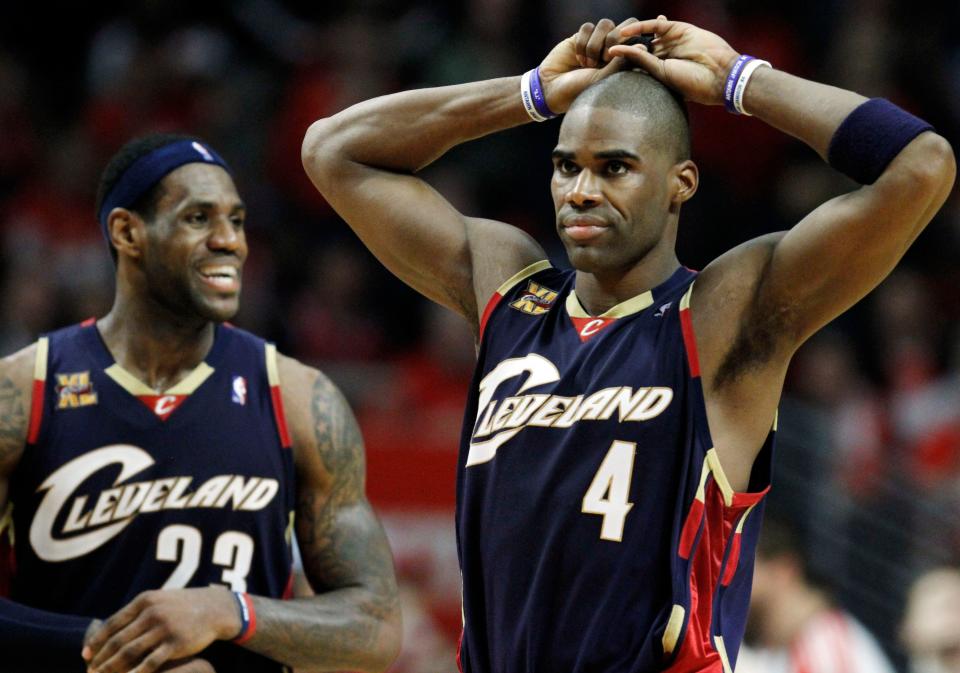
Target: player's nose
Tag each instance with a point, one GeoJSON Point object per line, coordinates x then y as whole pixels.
{"type": "Point", "coordinates": [226, 235]}
{"type": "Point", "coordinates": [584, 190]}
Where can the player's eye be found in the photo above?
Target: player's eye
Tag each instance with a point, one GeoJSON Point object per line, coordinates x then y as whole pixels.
{"type": "Point", "coordinates": [617, 168]}
{"type": "Point", "coordinates": [566, 166]}
{"type": "Point", "coordinates": [196, 217]}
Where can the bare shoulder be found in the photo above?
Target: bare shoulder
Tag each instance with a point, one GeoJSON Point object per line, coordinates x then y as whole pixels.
{"type": "Point", "coordinates": [16, 382]}
{"type": "Point", "coordinates": [327, 444]}
{"type": "Point", "coordinates": [497, 251]}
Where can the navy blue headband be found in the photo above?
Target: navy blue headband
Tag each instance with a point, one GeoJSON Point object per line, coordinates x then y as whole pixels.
{"type": "Point", "coordinates": [150, 169]}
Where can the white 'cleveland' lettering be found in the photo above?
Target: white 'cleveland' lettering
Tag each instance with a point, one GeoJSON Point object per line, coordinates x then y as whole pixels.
{"type": "Point", "coordinates": [500, 420]}
{"type": "Point", "coordinates": [114, 508]}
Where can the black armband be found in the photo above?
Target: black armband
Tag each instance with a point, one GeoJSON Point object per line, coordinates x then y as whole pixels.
{"type": "Point", "coordinates": [870, 137]}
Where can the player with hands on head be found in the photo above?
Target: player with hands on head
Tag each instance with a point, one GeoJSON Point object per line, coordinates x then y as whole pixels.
{"type": "Point", "coordinates": [619, 432]}
{"type": "Point", "coordinates": [158, 462]}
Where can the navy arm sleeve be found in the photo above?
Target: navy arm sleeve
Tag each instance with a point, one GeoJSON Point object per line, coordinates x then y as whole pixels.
{"type": "Point", "coordinates": [36, 640]}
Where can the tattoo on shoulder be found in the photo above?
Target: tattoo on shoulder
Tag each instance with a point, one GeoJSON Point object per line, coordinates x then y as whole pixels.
{"type": "Point", "coordinates": [338, 437]}
{"type": "Point", "coordinates": [13, 417]}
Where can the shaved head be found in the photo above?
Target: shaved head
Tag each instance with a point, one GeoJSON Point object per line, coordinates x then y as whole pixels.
{"type": "Point", "coordinates": [637, 93]}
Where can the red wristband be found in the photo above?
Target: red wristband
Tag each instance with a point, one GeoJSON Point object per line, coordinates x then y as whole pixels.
{"type": "Point", "coordinates": [248, 618]}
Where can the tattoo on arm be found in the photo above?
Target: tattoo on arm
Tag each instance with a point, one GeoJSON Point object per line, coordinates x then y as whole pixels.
{"type": "Point", "coordinates": [345, 554]}
{"type": "Point", "coordinates": [13, 418]}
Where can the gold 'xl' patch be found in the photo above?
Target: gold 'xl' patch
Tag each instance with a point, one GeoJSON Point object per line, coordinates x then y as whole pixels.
{"type": "Point", "coordinates": [536, 300]}
{"type": "Point", "coordinates": [75, 390]}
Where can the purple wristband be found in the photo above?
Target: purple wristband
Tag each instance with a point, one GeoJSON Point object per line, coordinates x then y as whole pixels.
{"type": "Point", "coordinates": [731, 85]}
{"type": "Point", "coordinates": [539, 100]}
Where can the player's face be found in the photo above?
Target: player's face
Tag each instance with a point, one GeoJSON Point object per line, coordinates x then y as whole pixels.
{"type": "Point", "coordinates": [196, 245]}
{"type": "Point", "coordinates": [611, 189]}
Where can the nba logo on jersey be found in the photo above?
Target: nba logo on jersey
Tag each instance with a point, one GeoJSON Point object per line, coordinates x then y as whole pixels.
{"type": "Point", "coordinates": [239, 395]}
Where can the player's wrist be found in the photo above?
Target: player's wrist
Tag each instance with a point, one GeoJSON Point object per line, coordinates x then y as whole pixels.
{"type": "Point", "coordinates": [245, 612]}
{"type": "Point", "coordinates": [227, 620]}
{"type": "Point", "coordinates": [735, 82]}
{"type": "Point", "coordinates": [533, 95]}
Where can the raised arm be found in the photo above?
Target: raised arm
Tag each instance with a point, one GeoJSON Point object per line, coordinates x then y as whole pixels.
{"type": "Point", "coordinates": [844, 248]}
{"type": "Point", "coordinates": [756, 304]}
{"type": "Point", "coordinates": [364, 159]}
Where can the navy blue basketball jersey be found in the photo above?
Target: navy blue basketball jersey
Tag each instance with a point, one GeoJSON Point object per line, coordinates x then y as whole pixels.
{"type": "Point", "coordinates": [122, 490]}
{"type": "Point", "coordinates": [596, 530]}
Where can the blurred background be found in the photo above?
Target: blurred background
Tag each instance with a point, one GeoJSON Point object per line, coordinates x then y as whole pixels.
{"type": "Point", "coordinates": [868, 470]}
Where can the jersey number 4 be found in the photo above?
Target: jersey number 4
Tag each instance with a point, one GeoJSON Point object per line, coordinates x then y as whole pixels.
{"type": "Point", "coordinates": [609, 491]}
{"type": "Point", "coordinates": [182, 545]}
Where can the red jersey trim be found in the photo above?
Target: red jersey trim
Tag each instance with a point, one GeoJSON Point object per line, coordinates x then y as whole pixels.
{"type": "Point", "coordinates": [492, 304]}
{"type": "Point", "coordinates": [39, 382]}
{"type": "Point", "coordinates": [689, 340]}
{"type": "Point", "coordinates": [273, 378]}
{"type": "Point", "coordinates": [522, 274]}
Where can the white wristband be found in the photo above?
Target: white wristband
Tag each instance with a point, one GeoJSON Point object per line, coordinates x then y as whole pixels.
{"type": "Point", "coordinates": [526, 95]}
{"type": "Point", "coordinates": [741, 85]}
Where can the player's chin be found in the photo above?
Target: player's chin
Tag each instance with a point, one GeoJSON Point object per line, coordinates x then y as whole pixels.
{"type": "Point", "coordinates": [219, 308]}
{"type": "Point", "coordinates": [587, 258]}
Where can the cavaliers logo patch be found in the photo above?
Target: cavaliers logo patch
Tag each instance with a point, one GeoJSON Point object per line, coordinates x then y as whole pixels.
{"type": "Point", "coordinates": [75, 390]}
{"type": "Point", "coordinates": [536, 300]}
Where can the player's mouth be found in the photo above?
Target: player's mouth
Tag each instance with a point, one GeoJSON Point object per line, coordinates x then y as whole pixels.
{"type": "Point", "coordinates": [222, 277]}
{"type": "Point", "coordinates": [584, 228]}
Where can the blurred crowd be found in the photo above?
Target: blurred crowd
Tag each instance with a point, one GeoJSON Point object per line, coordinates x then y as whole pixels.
{"type": "Point", "coordinates": [869, 460]}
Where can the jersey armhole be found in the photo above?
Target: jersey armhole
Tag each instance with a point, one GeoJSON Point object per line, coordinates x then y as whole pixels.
{"type": "Point", "coordinates": [506, 286]}
{"type": "Point", "coordinates": [39, 383]}
{"type": "Point", "coordinates": [686, 327]}
{"type": "Point", "coordinates": [273, 378]}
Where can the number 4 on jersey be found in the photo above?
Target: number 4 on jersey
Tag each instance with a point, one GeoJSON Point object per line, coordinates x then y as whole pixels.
{"type": "Point", "coordinates": [608, 492]}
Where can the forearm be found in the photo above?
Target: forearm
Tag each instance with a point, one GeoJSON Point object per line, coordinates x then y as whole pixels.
{"type": "Point", "coordinates": [806, 110]}
{"type": "Point", "coordinates": [47, 640]}
{"type": "Point", "coordinates": [346, 629]}
{"type": "Point", "coordinates": [406, 131]}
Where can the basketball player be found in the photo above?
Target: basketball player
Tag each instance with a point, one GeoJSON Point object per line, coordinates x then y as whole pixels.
{"type": "Point", "coordinates": [161, 448]}
{"type": "Point", "coordinates": [617, 440]}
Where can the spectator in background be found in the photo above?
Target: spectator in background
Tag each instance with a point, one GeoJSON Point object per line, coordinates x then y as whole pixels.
{"type": "Point", "coordinates": [793, 626]}
{"type": "Point", "coordinates": [931, 626]}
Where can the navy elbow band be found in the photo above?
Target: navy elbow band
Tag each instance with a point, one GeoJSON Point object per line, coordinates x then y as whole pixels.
{"type": "Point", "coordinates": [870, 137]}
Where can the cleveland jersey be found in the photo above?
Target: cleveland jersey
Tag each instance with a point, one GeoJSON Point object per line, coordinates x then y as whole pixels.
{"type": "Point", "coordinates": [121, 489]}
{"type": "Point", "coordinates": [596, 530]}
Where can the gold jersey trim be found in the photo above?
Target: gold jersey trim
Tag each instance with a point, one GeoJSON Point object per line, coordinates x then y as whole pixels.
{"type": "Point", "coordinates": [40, 364]}
{"type": "Point", "coordinates": [621, 310]}
{"type": "Point", "coordinates": [273, 371]}
{"type": "Point", "coordinates": [136, 387]}
{"type": "Point", "coordinates": [523, 273]}
{"type": "Point", "coordinates": [671, 634]}
{"type": "Point", "coordinates": [722, 651]}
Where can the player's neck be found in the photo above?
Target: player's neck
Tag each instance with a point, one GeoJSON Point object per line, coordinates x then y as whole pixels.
{"type": "Point", "coordinates": [160, 350]}
{"type": "Point", "coordinates": [600, 291]}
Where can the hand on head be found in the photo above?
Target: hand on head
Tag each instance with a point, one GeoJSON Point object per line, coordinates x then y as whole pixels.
{"type": "Point", "coordinates": [691, 60]}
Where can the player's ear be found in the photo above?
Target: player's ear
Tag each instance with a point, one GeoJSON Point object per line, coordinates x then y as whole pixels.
{"type": "Point", "coordinates": [685, 177]}
{"type": "Point", "coordinates": [126, 232]}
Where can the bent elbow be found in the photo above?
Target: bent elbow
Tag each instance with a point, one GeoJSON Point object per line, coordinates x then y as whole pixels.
{"type": "Point", "coordinates": [934, 168]}
{"type": "Point", "coordinates": [317, 152]}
